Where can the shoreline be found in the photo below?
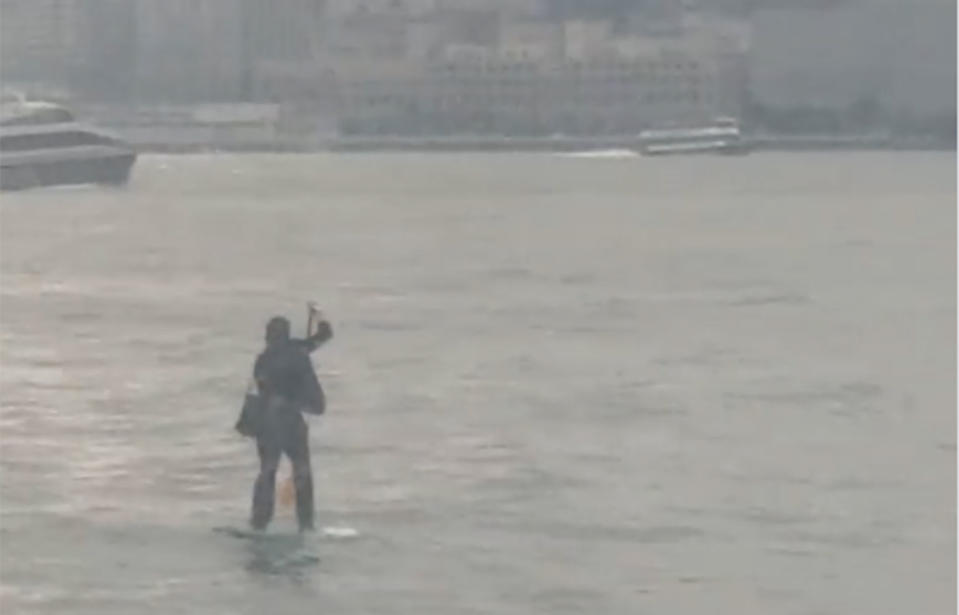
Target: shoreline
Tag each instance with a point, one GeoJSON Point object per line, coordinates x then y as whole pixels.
{"type": "Point", "coordinates": [559, 145]}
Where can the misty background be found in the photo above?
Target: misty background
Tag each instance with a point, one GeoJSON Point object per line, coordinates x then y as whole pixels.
{"type": "Point", "coordinates": [310, 68]}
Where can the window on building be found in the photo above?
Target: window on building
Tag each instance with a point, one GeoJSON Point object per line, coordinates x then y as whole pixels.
{"type": "Point", "coordinates": [44, 116]}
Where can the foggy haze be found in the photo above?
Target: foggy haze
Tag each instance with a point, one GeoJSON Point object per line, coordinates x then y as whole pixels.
{"type": "Point", "coordinates": [510, 67]}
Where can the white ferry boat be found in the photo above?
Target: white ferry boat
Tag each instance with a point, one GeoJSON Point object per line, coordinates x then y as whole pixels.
{"type": "Point", "coordinates": [42, 144]}
{"type": "Point", "coordinates": [723, 137]}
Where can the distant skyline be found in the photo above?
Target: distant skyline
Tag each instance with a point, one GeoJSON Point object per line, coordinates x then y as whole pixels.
{"type": "Point", "coordinates": [802, 56]}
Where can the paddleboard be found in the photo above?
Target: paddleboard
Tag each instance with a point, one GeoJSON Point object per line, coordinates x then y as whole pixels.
{"type": "Point", "coordinates": [251, 534]}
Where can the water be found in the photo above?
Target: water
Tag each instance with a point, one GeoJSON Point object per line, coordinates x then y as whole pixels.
{"type": "Point", "coordinates": [558, 385]}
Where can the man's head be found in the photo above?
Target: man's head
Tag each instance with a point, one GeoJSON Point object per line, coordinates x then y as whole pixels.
{"type": "Point", "coordinates": [277, 331]}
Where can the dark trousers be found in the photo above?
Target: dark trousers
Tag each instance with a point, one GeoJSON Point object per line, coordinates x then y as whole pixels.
{"type": "Point", "coordinates": [283, 431]}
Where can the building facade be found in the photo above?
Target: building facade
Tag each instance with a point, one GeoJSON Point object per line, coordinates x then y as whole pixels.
{"type": "Point", "coordinates": [530, 67]}
{"type": "Point", "coordinates": [480, 92]}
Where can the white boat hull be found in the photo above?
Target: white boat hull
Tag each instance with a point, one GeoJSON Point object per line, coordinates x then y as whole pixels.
{"type": "Point", "coordinates": [673, 149]}
{"type": "Point", "coordinates": [109, 168]}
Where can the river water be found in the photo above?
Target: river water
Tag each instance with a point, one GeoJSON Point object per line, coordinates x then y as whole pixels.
{"type": "Point", "coordinates": [559, 384]}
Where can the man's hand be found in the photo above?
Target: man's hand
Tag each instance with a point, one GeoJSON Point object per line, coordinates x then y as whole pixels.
{"type": "Point", "coordinates": [315, 313]}
{"type": "Point", "coordinates": [317, 327]}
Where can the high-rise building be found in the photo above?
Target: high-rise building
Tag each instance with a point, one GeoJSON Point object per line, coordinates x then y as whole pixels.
{"type": "Point", "coordinates": [38, 40]}
{"type": "Point", "coordinates": [189, 50]}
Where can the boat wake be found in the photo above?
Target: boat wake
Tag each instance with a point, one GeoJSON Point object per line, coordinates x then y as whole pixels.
{"type": "Point", "coordinates": [606, 154]}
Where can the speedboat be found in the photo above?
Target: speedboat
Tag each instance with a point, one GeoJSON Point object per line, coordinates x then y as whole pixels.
{"type": "Point", "coordinates": [42, 144]}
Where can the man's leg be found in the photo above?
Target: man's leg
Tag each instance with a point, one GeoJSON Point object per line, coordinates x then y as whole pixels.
{"type": "Point", "coordinates": [297, 447]}
{"type": "Point", "coordinates": [265, 486]}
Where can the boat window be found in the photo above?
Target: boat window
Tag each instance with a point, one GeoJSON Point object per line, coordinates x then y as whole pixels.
{"type": "Point", "coordinates": [51, 140]}
{"type": "Point", "coordinates": [42, 116]}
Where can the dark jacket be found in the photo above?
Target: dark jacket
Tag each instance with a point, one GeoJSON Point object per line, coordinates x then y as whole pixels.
{"type": "Point", "coordinates": [285, 370]}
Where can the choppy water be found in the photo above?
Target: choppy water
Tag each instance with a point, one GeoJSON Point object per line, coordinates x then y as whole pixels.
{"type": "Point", "coordinates": [558, 385]}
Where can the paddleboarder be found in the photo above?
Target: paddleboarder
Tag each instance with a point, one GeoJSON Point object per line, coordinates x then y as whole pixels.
{"type": "Point", "coordinates": [287, 386]}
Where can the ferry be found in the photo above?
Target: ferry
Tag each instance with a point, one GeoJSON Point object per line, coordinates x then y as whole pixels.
{"type": "Point", "coordinates": [43, 144]}
{"type": "Point", "coordinates": [723, 137]}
